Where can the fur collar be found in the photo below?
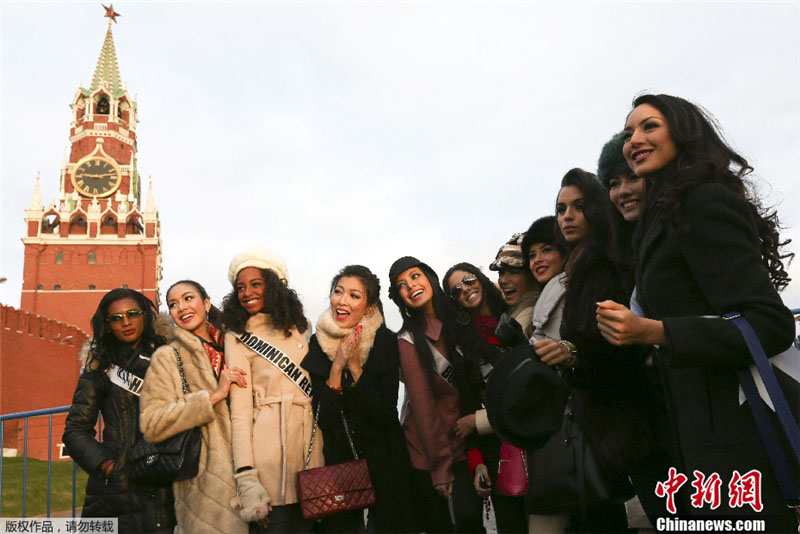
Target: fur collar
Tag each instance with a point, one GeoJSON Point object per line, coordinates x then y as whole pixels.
{"type": "Point", "coordinates": [528, 300]}
{"type": "Point", "coordinates": [330, 336]}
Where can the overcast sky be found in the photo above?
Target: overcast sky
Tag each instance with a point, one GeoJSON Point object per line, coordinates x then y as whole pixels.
{"type": "Point", "coordinates": [359, 132]}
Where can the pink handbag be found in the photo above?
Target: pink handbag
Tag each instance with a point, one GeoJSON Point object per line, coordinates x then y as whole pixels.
{"type": "Point", "coordinates": [512, 471]}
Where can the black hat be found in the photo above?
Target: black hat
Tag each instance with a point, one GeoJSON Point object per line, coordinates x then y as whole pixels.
{"type": "Point", "coordinates": [612, 162]}
{"type": "Point", "coordinates": [525, 399]}
{"type": "Point", "coordinates": [399, 266]}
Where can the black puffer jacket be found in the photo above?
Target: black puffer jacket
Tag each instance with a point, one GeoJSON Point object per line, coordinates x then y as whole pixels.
{"type": "Point", "coordinates": [139, 509]}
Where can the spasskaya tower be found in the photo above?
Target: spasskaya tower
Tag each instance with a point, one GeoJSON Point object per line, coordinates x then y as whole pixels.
{"type": "Point", "coordinates": [98, 235]}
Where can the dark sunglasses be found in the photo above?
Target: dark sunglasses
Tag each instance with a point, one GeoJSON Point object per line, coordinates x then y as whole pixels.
{"type": "Point", "coordinates": [130, 314]}
{"type": "Point", "coordinates": [469, 280]}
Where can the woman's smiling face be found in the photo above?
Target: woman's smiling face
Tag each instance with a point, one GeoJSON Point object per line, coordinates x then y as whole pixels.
{"type": "Point", "coordinates": [250, 289]}
{"type": "Point", "coordinates": [348, 302]}
{"type": "Point", "coordinates": [415, 289]}
{"type": "Point", "coordinates": [648, 145]}
{"type": "Point", "coordinates": [187, 308]}
{"type": "Point", "coordinates": [466, 290]}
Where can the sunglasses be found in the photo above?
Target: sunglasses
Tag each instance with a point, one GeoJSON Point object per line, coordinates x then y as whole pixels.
{"type": "Point", "coordinates": [130, 314]}
{"type": "Point", "coordinates": [469, 280]}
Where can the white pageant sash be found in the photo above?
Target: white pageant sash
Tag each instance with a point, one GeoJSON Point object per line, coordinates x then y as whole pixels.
{"type": "Point", "coordinates": [125, 379]}
{"type": "Point", "coordinates": [279, 359]}
{"type": "Point", "coordinates": [443, 367]}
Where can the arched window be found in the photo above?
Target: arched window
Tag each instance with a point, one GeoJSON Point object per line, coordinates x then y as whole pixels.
{"type": "Point", "coordinates": [59, 258]}
{"type": "Point", "coordinates": [135, 225]}
{"type": "Point", "coordinates": [92, 287]}
{"type": "Point", "coordinates": [125, 286]}
{"type": "Point", "coordinates": [57, 287]}
{"type": "Point", "coordinates": [77, 225]}
{"type": "Point", "coordinates": [40, 287]}
{"type": "Point", "coordinates": [92, 258]}
{"type": "Point", "coordinates": [109, 225]}
{"type": "Point", "coordinates": [50, 224]}
{"type": "Point", "coordinates": [102, 106]}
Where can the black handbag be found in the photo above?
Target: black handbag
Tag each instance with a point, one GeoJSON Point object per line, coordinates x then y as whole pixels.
{"type": "Point", "coordinates": [564, 477]}
{"type": "Point", "coordinates": [174, 459]}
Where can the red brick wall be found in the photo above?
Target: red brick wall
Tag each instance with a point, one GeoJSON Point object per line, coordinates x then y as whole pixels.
{"type": "Point", "coordinates": [75, 303]}
{"type": "Point", "coordinates": [39, 369]}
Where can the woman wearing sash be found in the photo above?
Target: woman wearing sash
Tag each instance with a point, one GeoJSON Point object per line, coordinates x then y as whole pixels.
{"type": "Point", "coordinates": [202, 503]}
{"type": "Point", "coordinates": [115, 361]}
{"type": "Point", "coordinates": [271, 416]}
{"type": "Point", "coordinates": [354, 367]}
{"type": "Point", "coordinates": [442, 376]}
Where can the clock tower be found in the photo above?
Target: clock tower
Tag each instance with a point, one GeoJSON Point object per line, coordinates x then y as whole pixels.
{"type": "Point", "coordinates": [98, 235]}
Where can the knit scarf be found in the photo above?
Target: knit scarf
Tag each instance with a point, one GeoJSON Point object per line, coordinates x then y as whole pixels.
{"type": "Point", "coordinates": [330, 335]}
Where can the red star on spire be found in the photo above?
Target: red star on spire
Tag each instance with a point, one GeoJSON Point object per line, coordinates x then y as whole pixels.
{"type": "Point", "coordinates": [110, 13]}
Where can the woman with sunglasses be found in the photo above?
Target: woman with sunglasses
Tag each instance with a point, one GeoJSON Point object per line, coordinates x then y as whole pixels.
{"type": "Point", "coordinates": [354, 367]}
{"type": "Point", "coordinates": [202, 503]}
{"type": "Point", "coordinates": [271, 416]}
{"type": "Point", "coordinates": [705, 248]}
{"type": "Point", "coordinates": [478, 300]}
{"type": "Point", "coordinates": [115, 361]}
{"type": "Point", "coordinates": [441, 372]}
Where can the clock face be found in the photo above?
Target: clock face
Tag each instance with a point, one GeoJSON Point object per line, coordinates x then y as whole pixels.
{"type": "Point", "coordinates": [96, 177]}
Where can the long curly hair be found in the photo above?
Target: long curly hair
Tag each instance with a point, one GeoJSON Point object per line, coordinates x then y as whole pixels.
{"type": "Point", "coordinates": [371, 283]}
{"type": "Point", "coordinates": [705, 157]}
{"type": "Point", "coordinates": [103, 345]}
{"type": "Point", "coordinates": [280, 302]}
{"type": "Point", "coordinates": [492, 295]}
{"type": "Point", "coordinates": [214, 314]}
{"type": "Point", "coordinates": [466, 362]}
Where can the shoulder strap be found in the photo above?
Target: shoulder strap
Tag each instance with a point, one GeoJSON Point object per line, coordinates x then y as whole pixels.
{"type": "Point", "coordinates": [279, 359]}
{"type": "Point", "coordinates": [777, 457]}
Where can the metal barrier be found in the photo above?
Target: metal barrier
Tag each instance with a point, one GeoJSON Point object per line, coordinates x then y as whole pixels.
{"type": "Point", "coordinates": [50, 412]}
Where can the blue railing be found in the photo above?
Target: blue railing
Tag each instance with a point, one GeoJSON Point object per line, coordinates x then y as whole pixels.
{"type": "Point", "coordinates": [50, 412]}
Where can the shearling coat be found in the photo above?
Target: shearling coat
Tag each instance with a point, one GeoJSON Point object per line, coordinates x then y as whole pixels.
{"type": "Point", "coordinates": [272, 418]}
{"type": "Point", "coordinates": [703, 261]}
{"type": "Point", "coordinates": [202, 504]}
{"type": "Point", "coordinates": [138, 508]}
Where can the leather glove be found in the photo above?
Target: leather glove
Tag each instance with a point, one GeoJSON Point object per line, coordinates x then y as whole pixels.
{"type": "Point", "coordinates": [509, 332]}
{"type": "Point", "coordinates": [254, 497]}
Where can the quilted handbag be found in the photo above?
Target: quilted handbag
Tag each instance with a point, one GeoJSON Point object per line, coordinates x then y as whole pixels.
{"type": "Point", "coordinates": [174, 459]}
{"type": "Point", "coordinates": [337, 488]}
{"type": "Point", "coordinates": [512, 471]}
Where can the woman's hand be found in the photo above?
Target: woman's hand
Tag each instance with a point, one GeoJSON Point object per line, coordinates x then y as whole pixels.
{"type": "Point", "coordinates": [465, 426]}
{"type": "Point", "coordinates": [483, 490]}
{"type": "Point", "coordinates": [445, 490]}
{"type": "Point", "coordinates": [620, 326]}
{"type": "Point", "coordinates": [344, 359]}
{"type": "Point", "coordinates": [551, 353]}
{"type": "Point", "coordinates": [229, 376]}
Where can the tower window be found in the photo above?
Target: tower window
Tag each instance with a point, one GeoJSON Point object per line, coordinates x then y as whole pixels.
{"type": "Point", "coordinates": [59, 258]}
{"type": "Point", "coordinates": [102, 106]}
{"type": "Point", "coordinates": [92, 287]}
{"type": "Point", "coordinates": [109, 225]}
{"type": "Point", "coordinates": [92, 260]}
{"type": "Point", "coordinates": [57, 287]}
{"type": "Point", "coordinates": [77, 226]}
{"type": "Point", "coordinates": [125, 286]}
{"type": "Point", "coordinates": [50, 224]}
{"type": "Point", "coordinates": [40, 287]}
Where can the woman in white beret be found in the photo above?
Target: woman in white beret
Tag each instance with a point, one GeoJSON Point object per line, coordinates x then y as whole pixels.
{"type": "Point", "coordinates": [271, 417]}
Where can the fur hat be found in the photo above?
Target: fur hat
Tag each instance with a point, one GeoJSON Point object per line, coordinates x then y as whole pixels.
{"type": "Point", "coordinates": [525, 399]}
{"type": "Point", "coordinates": [260, 257]}
{"type": "Point", "coordinates": [612, 162]}
{"type": "Point", "coordinates": [509, 255]}
{"type": "Point", "coordinates": [542, 230]}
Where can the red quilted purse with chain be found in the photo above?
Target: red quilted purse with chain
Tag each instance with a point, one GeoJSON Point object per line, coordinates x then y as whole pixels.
{"type": "Point", "coordinates": [336, 488]}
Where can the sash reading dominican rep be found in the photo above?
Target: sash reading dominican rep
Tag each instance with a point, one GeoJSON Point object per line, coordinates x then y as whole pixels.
{"type": "Point", "coordinates": [279, 359]}
{"type": "Point", "coordinates": [125, 379]}
{"type": "Point", "coordinates": [443, 367]}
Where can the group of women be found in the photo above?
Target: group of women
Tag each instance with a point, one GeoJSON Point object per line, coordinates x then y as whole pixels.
{"type": "Point", "coordinates": [620, 292]}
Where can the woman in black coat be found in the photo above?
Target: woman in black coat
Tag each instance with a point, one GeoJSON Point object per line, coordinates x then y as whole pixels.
{"type": "Point", "coordinates": [354, 366]}
{"type": "Point", "coordinates": [115, 361]}
{"type": "Point", "coordinates": [704, 248]}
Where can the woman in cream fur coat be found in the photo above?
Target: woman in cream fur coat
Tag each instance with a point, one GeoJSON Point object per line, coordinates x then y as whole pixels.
{"type": "Point", "coordinates": [203, 503]}
{"type": "Point", "coordinates": [271, 415]}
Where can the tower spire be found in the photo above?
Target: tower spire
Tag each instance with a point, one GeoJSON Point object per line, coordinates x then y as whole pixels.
{"type": "Point", "coordinates": [106, 74]}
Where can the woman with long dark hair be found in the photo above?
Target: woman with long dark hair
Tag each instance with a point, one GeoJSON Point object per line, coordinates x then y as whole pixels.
{"type": "Point", "coordinates": [705, 247]}
{"type": "Point", "coordinates": [476, 298]}
{"type": "Point", "coordinates": [202, 503]}
{"type": "Point", "coordinates": [441, 372]}
{"type": "Point", "coordinates": [610, 400]}
{"type": "Point", "coordinates": [354, 366]}
{"type": "Point", "coordinates": [271, 416]}
{"type": "Point", "coordinates": [115, 361]}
